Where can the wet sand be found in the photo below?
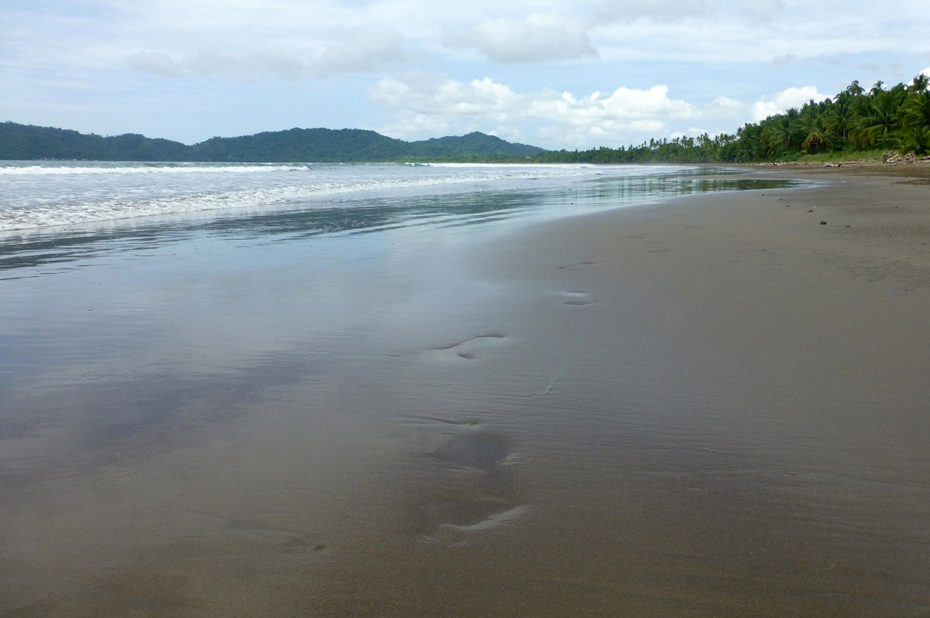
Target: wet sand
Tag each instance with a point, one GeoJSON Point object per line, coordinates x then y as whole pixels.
{"type": "Point", "coordinates": [712, 406]}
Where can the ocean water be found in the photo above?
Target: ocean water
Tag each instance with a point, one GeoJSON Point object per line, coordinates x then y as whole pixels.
{"type": "Point", "coordinates": [102, 262]}
{"type": "Point", "coordinates": [53, 213]}
{"type": "Point", "coordinates": [109, 260]}
{"type": "Point", "coordinates": [43, 195]}
{"type": "Point", "coordinates": [237, 383]}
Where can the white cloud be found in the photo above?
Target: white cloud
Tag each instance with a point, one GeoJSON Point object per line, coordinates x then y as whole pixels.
{"type": "Point", "coordinates": [355, 54]}
{"type": "Point", "coordinates": [327, 37]}
{"type": "Point", "coordinates": [535, 38]}
{"type": "Point", "coordinates": [724, 106]}
{"type": "Point", "coordinates": [624, 104]}
{"type": "Point", "coordinates": [542, 28]}
{"type": "Point", "coordinates": [156, 63]}
{"type": "Point", "coordinates": [425, 96]}
{"type": "Point", "coordinates": [427, 105]}
{"type": "Point", "coordinates": [762, 10]}
{"type": "Point", "coordinates": [653, 10]}
{"type": "Point", "coordinates": [430, 103]}
{"type": "Point", "coordinates": [785, 100]}
{"type": "Point", "coordinates": [668, 11]}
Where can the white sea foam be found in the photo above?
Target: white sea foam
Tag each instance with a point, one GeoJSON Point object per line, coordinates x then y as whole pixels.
{"type": "Point", "coordinates": [45, 195]}
{"type": "Point", "coordinates": [35, 196]}
{"type": "Point", "coordinates": [69, 170]}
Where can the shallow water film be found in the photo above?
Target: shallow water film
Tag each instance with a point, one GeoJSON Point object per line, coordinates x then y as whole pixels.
{"type": "Point", "coordinates": [402, 390]}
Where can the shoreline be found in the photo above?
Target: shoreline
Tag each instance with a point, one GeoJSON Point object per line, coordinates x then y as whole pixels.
{"type": "Point", "coordinates": [891, 166]}
{"type": "Point", "coordinates": [746, 386]}
{"type": "Point", "coordinates": [713, 405]}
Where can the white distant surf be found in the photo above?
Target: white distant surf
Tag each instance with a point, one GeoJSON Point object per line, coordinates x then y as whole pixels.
{"type": "Point", "coordinates": [38, 196]}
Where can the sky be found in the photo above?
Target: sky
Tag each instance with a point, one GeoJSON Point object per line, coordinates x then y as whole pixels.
{"type": "Point", "coordinates": [556, 74]}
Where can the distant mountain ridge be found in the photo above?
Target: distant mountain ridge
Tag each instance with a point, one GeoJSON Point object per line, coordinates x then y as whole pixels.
{"type": "Point", "coordinates": [28, 142]}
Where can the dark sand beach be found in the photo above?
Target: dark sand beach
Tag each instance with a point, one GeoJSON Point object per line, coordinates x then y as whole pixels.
{"type": "Point", "coordinates": [711, 406]}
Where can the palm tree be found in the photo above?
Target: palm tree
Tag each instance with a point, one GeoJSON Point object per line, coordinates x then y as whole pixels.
{"type": "Point", "coordinates": [915, 110]}
{"type": "Point", "coordinates": [854, 89]}
{"type": "Point", "coordinates": [779, 133]}
{"type": "Point", "coordinates": [817, 139]}
{"type": "Point", "coordinates": [879, 117]}
{"type": "Point", "coordinates": [914, 117]}
{"type": "Point", "coordinates": [836, 118]}
{"type": "Point", "coordinates": [920, 83]}
{"type": "Point", "coordinates": [915, 139]}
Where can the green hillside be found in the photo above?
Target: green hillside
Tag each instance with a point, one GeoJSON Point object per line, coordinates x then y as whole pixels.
{"type": "Point", "coordinates": [477, 143]}
{"type": "Point", "coordinates": [300, 145]}
{"type": "Point", "coordinates": [19, 141]}
{"type": "Point", "coordinates": [24, 142]}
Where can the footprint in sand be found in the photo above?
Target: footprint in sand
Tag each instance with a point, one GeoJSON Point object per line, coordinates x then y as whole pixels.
{"type": "Point", "coordinates": [480, 495]}
{"type": "Point", "coordinates": [469, 349]}
{"type": "Point", "coordinates": [481, 449]}
{"type": "Point", "coordinates": [578, 298]}
{"type": "Point", "coordinates": [244, 531]}
{"type": "Point", "coordinates": [656, 247]}
{"type": "Point", "coordinates": [578, 266]}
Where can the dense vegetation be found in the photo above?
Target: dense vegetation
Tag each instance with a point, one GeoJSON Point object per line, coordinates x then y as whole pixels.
{"type": "Point", "coordinates": [19, 141]}
{"type": "Point", "coordinates": [852, 123]}
{"type": "Point", "coordinates": [22, 142]}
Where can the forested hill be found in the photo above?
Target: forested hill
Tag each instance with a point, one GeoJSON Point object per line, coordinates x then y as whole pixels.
{"type": "Point", "coordinates": [300, 145]}
{"type": "Point", "coordinates": [25, 142]}
{"type": "Point", "coordinates": [19, 141]}
{"type": "Point", "coordinates": [478, 143]}
{"type": "Point", "coordinates": [353, 145]}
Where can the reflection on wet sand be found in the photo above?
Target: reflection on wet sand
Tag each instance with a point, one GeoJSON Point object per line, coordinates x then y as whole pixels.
{"type": "Point", "coordinates": [715, 407]}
